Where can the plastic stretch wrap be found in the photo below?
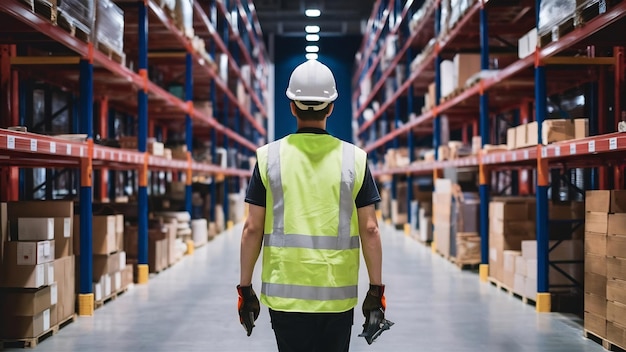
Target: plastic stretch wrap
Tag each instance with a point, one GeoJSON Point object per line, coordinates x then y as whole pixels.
{"type": "Point", "coordinates": [553, 12]}
{"type": "Point", "coordinates": [184, 16]}
{"type": "Point", "coordinates": [80, 13]}
{"type": "Point", "coordinates": [110, 25]}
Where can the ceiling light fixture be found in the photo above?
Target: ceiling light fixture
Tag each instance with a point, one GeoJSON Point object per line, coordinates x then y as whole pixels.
{"type": "Point", "coordinates": [312, 37]}
{"type": "Point", "coordinates": [312, 29]}
{"type": "Point", "coordinates": [312, 49]}
{"type": "Point", "coordinates": [311, 56]}
{"type": "Point", "coordinates": [312, 13]}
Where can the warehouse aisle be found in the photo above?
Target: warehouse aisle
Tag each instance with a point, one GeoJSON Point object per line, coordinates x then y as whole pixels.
{"type": "Point", "coordinates": [436, 307]}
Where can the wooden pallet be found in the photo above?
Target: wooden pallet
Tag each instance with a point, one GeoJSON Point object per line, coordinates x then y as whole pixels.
{"type": "Point", "coordinates": [467, 265]}
{"type": "Point", "coordinates": [112, 297]}
{"type": "Point", "coordinates": [69, 25]}
{"type": "Point", "coordinates": [501, 286]}
{"type": "Point", "coordinates": [557, 31]}
{"type": "Point", "coordinates": [608, 345]}
{"type": "Point", "coordinates": [33, 342]}
{"type": "Point", "coordinates": [43, 8]}
{"type": "Point", "coordinates": [112, 54]}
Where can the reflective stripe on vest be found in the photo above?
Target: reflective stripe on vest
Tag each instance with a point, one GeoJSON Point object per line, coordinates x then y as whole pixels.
{"type": "Point", "coordinates": [343, 241]}
{"type": "Point", "coordinates": [308, 292]}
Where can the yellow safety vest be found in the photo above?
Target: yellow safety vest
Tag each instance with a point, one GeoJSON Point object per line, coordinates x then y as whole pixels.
{"type": "Point", "coordinates": [311, 242]}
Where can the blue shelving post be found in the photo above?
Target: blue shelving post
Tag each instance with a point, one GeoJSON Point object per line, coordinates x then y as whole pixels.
{"type": "Point", "coordinates": [409, 180]}
{"type": "Point", "coordinates": [213, 12]}
{"type": "Point", "coordinates": [188, 128]}
{"type": "Point", "coordinates": [142, 137]}
{"type": "Point", "coordinates": [484, 134]}
{"type": "Point", "coordinates": [85, 293]}
{"type": "Point", "coordinates": [225, 114]}
{"type": "Point", "coordinates": [543, 182]}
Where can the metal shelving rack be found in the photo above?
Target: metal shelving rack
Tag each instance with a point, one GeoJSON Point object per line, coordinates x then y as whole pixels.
{"type": "Point", "coordinates": [477, 20]}
{"type": "Point", "coordinates": [28, 150]}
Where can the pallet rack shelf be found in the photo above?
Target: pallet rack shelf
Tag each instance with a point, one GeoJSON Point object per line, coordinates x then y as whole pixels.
{"type": "Point", "coordinates": [471, 34]}
{"type": "Point", "coordinates": [104, 78]}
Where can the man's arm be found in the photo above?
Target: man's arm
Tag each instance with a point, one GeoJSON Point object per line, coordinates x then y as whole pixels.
{"type": "Point", "coordinates": [370, 242]}
{"type": "Point", "coordinates": [251, 241]}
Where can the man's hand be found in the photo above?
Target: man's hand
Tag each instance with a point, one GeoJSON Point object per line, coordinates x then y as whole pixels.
{"type": "Point", "coordinates": [374, 301]}
{"type": "Point", "coordinates": [374, 311]}
{"type": "Point", "coordinates": [248, 306]}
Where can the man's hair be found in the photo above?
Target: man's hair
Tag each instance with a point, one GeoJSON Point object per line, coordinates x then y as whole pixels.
{"type": "Point", "coordinates": [310, 114]}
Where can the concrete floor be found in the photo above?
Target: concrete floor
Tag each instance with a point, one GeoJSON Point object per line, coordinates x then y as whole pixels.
{"type": "Point", "coordinates": [436, 307]}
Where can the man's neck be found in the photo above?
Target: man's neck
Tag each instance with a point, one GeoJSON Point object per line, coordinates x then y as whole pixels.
{"type": "Point", "coordinates": [312, 124]}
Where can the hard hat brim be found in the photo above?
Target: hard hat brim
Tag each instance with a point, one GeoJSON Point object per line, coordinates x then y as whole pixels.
{"type": "Point", "coordinates": [329, 99]}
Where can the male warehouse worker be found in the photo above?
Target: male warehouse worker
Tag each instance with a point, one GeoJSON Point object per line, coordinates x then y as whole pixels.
{"type": "Point", "coordinates": [311, 199]}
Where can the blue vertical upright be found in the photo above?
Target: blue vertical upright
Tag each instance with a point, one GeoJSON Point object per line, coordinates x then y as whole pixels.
{"type": "Point", "coordinates": [437, 120]}
{"type": "Point", "coordinates": [483, 188]}
{"type": "Point", "coordinates": [226, 113]}
{"type": "Point", "coordinates": [235, 53]}
{"type": "Point", "coordinates": [409, 179]}
{"type": "Point", "coordinates": [142, 137]}
{"type": "Point", "coordinates": [543, 182]}
{"type": "Point", "coordinates": [188, 125]}
{"type": "Point", "coordinates": [213, 11]}
{"type": "Point", "coordinates": [85, 296]}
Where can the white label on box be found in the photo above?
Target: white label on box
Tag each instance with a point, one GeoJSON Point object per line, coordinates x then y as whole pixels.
{"type": "Point", "coordinates": [10, 142]}
{"type": "Point", "coordinates": [68, 150]}
{"type": "Point", "coordinates": [107, 285]}
{"type": "Point", "coordinates": [54, 294]}
{"type": "Point", "coordinates": [117, 281]}
{"type": "Point", "coordinates": [40, 275]}
{"type": "Point", "coordinates": [82, 152]}
{"type": "Point", "coordinates": [53, 147]}
{"type": "Point", "coordinates": [591, 147]}
{"type": "Point", "coordinates": [514, 156]}
{"type": "Point", "coordinates": [46, 319]}
{"type": "Point", "coordinates": [572, 149]}
{"type": "Point", "coordinates": [67, 222]}
{"type": "Point", "coordinates": [97, 291]}
{"type": "Point", "coordinates": [46, 249]}
{"type": "Point", "coordinates": [613, 143]}
{"type": "Point", "coordinates": [526, 155]}
{"type": "Point", "coordinates": [544, 152]}
{"type": "Point", "coordinates": [50, 273]}
{"type": "Point", "coordinates": [557, 151]}
{"type": "Point", "coordinates": [493, 254]}
{"type": "Point", "coordinates": [33, 145]}
{"type": "Point", "coordinates": [122, 260]}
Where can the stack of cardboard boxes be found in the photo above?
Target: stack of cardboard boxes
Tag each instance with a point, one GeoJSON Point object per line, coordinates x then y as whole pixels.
{"type": "Point", "coordinates": [553, 130]}
{"type": "Point", "coordinates": [605, 265]}
{"type": "Point", "coordinates": [442, 213]}
{"type": "Point", "coordinates": [37, 267]}
{"type": "Point", "coordinates": [160, 239]}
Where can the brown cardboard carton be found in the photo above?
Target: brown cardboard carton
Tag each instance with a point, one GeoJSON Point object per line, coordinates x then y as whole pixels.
{"type": "Point", "coordinates": [510, 138]}
{"type": "Point", "coordinates": [616, 291]}
{"type": "Point", "coordinates": [595, 243]}
{"type": "Point", "coordinates": [498, 243]}
{"type": "Point", "coordinates": [35, 229]}
{"type": "Point", "coordinates": [581, 128]}
{"type": "Point", "coordinates": [520, 266]}
{"type": "Point", "coordinates": [596, 284]}
{"type": "Point", "coordinates": [530, 289]}
{"type": "Point", "coordinates": [615, 268]}
{"type": "Point", "coordinates": [20, 327]}
{"type": "Point", "coordinates": [40, 208]}
{"type": "Point", "coordinates": [596, 222]}
{"type": "Point", "coordinates": [521, 136]}
{"type": "Point", "coordinates": [513, 228]}
{"type": "Point", "coordinates": [63, 241]}
{"type": "Point", "coordinates": [508, 275]}
{"type": "Point", "coordinates": [606, 201]}
{"type": "Point", "coordinates": [171, 246]}
{"type": "Point", "coordinates": [595, 304]}
{"type": "Point", "coordinates": [616, 246]}
{"type": "Point", "coordinates": [596, 324]}
{"type": "Point", "coordinates": [532, 134]}
{"type": "Point", "coordinates": [106, 264]}
{"type": "Point", "coordinates": [616, 334]}
{"type": "Point", "coordinates": [104, 236]}
{"type": "Point", "coordinates": [127, 276]}
{"type": "Point", "coordinates": [23, 276]}
{"type": "Point", "coordinates": [557, 130]}
{"type": "Point", "coordinates": [596, 264]}
{"type": "Point", "coordinates": [465, 66]}
{"type": "Point", "coordinates": [616, 313]}
{"type": "Point", "coordinates": [65, 276]}
{"type": "Point", "coordinates": [28, 302]}
{"type": "Point", "coordinates": [519, 284]}
{"type": "Point", "coordinates": [29, 253]}
{"type": "Point", "coordinates": [511, 209]}
{"type": "Point", "coordinates": [617, 224]}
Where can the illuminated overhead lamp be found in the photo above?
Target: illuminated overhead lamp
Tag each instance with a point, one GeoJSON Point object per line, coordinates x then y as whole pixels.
{"type": "Point", "coordinates": [312, 49]}
{"type": "Point", "coordinates": [312, 13]}
{"type": "Point", "coordinates": [312, 29]}
{"type": "Point", "coordinates": [312, 37]}
{"type": "Point", "coordinates": [311, 56]}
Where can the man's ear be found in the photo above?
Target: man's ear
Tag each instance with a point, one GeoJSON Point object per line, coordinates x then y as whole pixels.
{"type": "Point", "coordinates": [330, 109]}
{"type": "Point", "coordinates": [292, 105]}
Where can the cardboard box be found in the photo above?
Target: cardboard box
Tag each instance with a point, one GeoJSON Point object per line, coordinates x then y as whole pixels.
{"type": "Point", "coordinates": [29, 253]}
{"type": "Point", "coordinates": [616, 291]}
{"type": "Point", "coordinates": [63, 241]}
{"type": "Point", "coordinates": [531, 269]}
{"type": "Point", "coordinates": [565, 250]}
{"type": "Point", "coordinates": [596, 222]}
{"type": "Point", "coordinates": [616, 246]}
{"type": "Point", "coordinates": [107, 285]}
{"type": "Point", "coordinates": [498, 243]}
{"type": "Point", "coordinates": [606, 201]}
{"type": "Point", "coordinates": [616, 313]}
{"type": "Point", "coordinates": [596, 264]}
{"type": "Point", "coordinates": [106, 264]}
{"type": "Point", "coordinates": [96, 288]}
{"type": "Point", "coordinates": [35, 229]}
{"type": "Point", "coordinates": [521, 136]}
{"type": "Point", "coordinates": [116, 280]}
{"type": "Point", "coordinates": [595, 323]}
{"type": "Point", "coordinates": [47, 209]}
{"type": "Point", "coordinates": [519, 284]}
{"type": "Point", "coordinates": [581, 128]}
{"type": "Point", "coordinates": [617, 224]}
{"type": "Point", "coordinates": [127, 276]}
{"type": "Point", "coordinates": [520, 265]}
{"type": "Point", "coordinates": [24, 276]}
{"type": "Point", "coordinates": [157, 255]}
{"type": "Point", "coordinates": [596, 284]}
{"type": "Point", "coordinates": [20, 327]}
{"type": "Point", "coordinates": [532, 134]}
{"type": "Point", "coordinates": [510, 138]}
{"type": "Point", "coordinates": [27, 302]}
{"type": "Point", "coordinates": [65, 275]}
{"type": "Point", "coordinates": [508, 276]}
{"type": "Point", "coordinates": [513, 228]}
{"type": "Point", "coordinates": [595, 243]}
{"type": "Point", "coordinates": [595, 304]}
{"type": "Point", "coordinates": [511, 209]}
{"type": "Point", "coordinates": [557, 130]}
{"type": "Point", "coordinates": [465, 66]}
{"type": "Point", "coordinates": [104, 236]}
{"type": "Point", "coordinates": [616, 334]}
{"type": "Point", "coordinates": [530, 289]}
{"type": "Point", "coordinates": [615, 268]}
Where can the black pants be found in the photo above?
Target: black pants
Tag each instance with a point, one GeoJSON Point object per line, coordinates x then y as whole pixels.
{"type": "Point", "coordinates": [312, 332]}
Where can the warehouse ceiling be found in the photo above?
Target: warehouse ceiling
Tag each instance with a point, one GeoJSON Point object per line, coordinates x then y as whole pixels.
{"type": "Point", "coordinates": [338, 17]}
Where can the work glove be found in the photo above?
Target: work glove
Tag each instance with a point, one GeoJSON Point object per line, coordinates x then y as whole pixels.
{"type": "Point", "coordinates": [374, 307]}
{"type": "Point", "coordinates": [248, 306]}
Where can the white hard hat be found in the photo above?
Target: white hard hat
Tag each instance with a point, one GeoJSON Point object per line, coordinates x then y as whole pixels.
{"type": "Point", "coordinates": [312, 81]}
